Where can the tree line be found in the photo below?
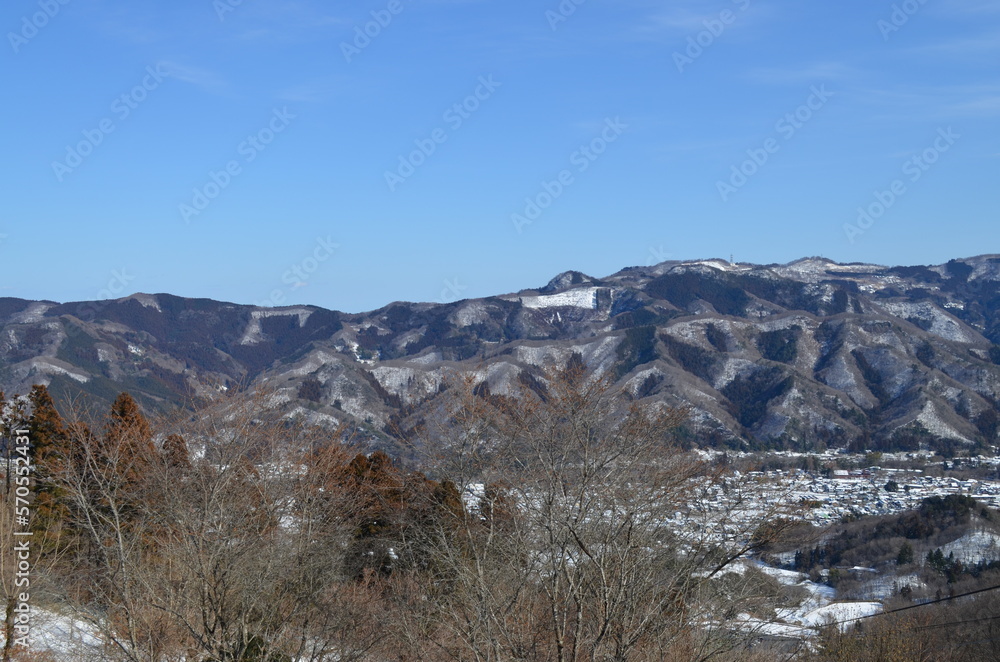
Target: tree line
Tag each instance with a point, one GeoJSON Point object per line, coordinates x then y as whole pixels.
{"type": "Point", "coordinates": [555, 521]}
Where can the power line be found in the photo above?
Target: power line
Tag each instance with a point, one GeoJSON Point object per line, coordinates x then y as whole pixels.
{"type": "Point", "coordinates": [948, 624]}
{"type": "Point", "coordinates": [942, 625]}
{"type": "Point", "coordinates": [899, 609]}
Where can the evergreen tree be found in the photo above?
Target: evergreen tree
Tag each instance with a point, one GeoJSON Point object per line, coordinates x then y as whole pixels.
{"type": "Point", "coordinates": [128, 441]}
{"type": "Point", "coordinates": [49, 452]}
{"type": "Point", "coordinates": [46, 430]}
{"type": "Point", "coordinates": [905, 555]}
{"type": "Point", "coordinates": [175, 453]}
{"type": "Point", "coordinates": [11, 418]}
{"type": "Point", "coordinates": [379, 489]}
{"type": "Point", "coordinates": [126, 420]}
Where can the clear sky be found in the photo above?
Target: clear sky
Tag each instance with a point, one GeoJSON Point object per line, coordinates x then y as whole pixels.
{"type": "Point", "coordinates": [271, 151]}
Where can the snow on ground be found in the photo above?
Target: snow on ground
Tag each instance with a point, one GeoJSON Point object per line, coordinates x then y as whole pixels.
{"type": "Point", "coordinates": [69, 639]}
{"type": "Point", "coordinates": [819, 608]}
{"type": "Point", "coordinates": [975, 547]}
{"type": "Point", "coordinates": [882, 588]}
{"type": "Point", "coordinates": [760, 627]}
{"type": "Point", "coordinates": [472, 495]}
{"type": "Point", "coordinates": [582, 297]}
{"type": "Point", "coordinates": [839, 612]}
{"type": "Point", "coordinates": [786, 577]}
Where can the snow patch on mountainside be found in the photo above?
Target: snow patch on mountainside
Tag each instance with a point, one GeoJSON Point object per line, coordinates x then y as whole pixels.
{"type": "Point", "coordinates": [635, 383]}
{"type": "Point", "coordinates": [941, 323]}
{"type": "Point", "coordinates": [810, 269]}
{"type": "Point", "coordinates": [988, 268]}
{"type": "Point", "coordinates": [691, 332]}
{"type": "Point", "coordinates": [597, 355]}
{"type": "Point", "coordinates": [838, 375]}
{"type": "Point", "coordinates": [731, 369]}
{"type": "Point", "coordinates": [930, 419]}
{"type": "Point", "coordinates": [147, 300]}
{"type": "Point", "coordinates": [411, 385]}
{"type": "Point", "coordinates": [426, 359]}
{"type": "Point", "coordinates": [720, 265]}
{"type": "Point", "coordinates": [583, 297]}
{"type": "Point", "coordinates": [501, 376]}
{"type": "Point", "coordinates": [254, 334]}
{"type": "Point", "coordinates": [47, 367]}
{"type": "Point", "coordinates": [312, 363]}
{"type": "Point", "coordinates": [32, 314]}
{"type": "Point", "coordinates": [474, 312]}
{"type": "Point", "coordinates": [782, 323]}
{"type": "Point", "coordinates": [310, 417]}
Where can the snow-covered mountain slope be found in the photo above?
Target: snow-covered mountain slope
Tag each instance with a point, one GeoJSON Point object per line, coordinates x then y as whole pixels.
{"type": "Point", "coordinates": [806, 354]}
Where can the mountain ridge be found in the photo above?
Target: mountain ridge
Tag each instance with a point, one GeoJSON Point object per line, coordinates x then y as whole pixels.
{"type": "Point", "coordinates": [804, 354]}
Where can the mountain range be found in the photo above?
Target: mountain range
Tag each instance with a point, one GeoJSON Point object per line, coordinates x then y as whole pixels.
{"type": "Point", "coordinates": [804, 355]}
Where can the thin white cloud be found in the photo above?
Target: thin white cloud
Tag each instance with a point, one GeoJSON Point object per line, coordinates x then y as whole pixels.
{"type": "Point", "coordinates": [677, 20]}
{"type": "Point", "coordinates": [977, 46]}
{"type": "Point", "coordinates": [202, 78]}
{"type": "Point", "coordinates": [309, 92]}
{"type": "Point", "coordinates": [803, 73]}
{"type": "Point", "coordinates": [683, 19]}
{"type": "Point", "coordinates": [986, 106]}
{"type": "Point", "coordinates": [951, 8]}
{"type": "Point", "coordinates": [940, 103]}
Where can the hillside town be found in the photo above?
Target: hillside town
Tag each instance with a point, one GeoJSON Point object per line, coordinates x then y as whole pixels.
{"type": "Point", "coordinates": [829, 495]}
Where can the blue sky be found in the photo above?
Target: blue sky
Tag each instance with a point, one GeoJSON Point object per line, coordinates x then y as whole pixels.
{"type": "Point", "coordinates": [270, 151]}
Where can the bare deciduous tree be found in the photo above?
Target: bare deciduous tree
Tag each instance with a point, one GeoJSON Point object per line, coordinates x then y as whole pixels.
{"type": "Point", "coordinates": [592, 538]}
